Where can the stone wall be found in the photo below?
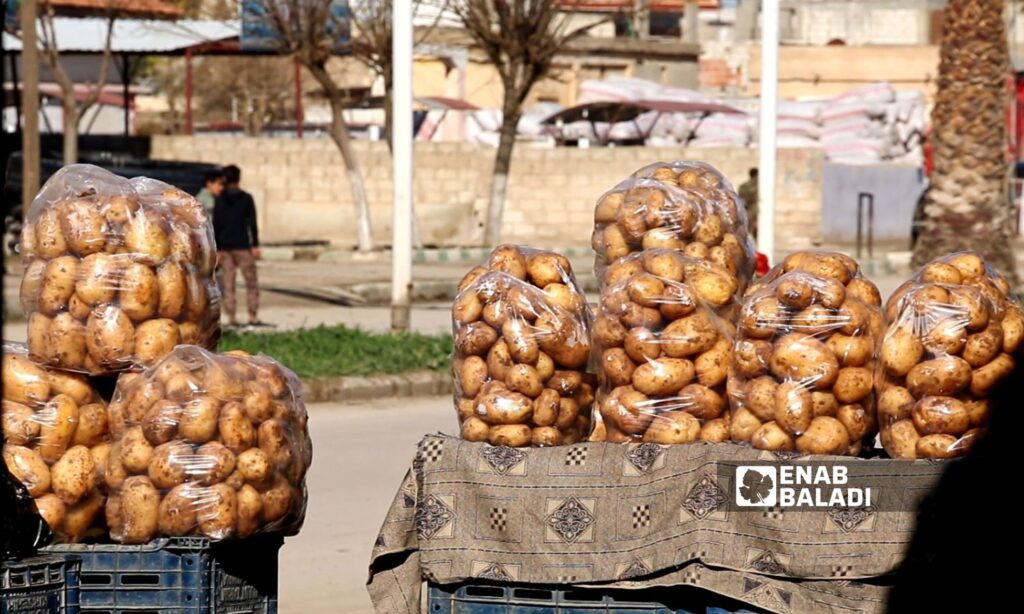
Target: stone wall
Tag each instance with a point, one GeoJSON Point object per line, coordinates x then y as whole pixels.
{"type": "Point", "coordinates": [302, 192]}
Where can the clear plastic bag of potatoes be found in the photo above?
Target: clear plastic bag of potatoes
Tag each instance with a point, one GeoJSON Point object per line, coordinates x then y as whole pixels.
{"type": "Point", "coordinates": [663, 350]}
{"type": "Point", "coordinates": [803, 366]}
{"type": "Point", "coordinates": [685, 206]}
{"type": "Point", "coordinates": [522, 344]}
{"type": "Point", "coordinates": [954, 334]}
{"type": "Point", "coordinates": [207, 444]}
{"type": "Point", "coordinates": [56, 442]}
{"type": "Point", "coordinates": [117, 272]}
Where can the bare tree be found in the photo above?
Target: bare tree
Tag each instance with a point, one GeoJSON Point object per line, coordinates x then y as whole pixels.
{"type": "Point", "coordinates": [520, 38]}
{"type": "Point", "coordinates": [308, 30]}
{"type": "Point", "coordinates": [258, 89]}
{"type": "Point", "coordinates": [371, 43]}
{"type": "Point", "coordinates": [73, 111]}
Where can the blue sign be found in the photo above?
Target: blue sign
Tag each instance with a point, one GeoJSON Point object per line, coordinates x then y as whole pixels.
{"type": "Point", "coordinates": [261, 33]}
{"type": "Point", "coordinates": [12, 17]}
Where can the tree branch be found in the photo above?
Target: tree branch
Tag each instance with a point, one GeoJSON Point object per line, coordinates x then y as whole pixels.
{"type": "Point", "coordinates": [96, 88]}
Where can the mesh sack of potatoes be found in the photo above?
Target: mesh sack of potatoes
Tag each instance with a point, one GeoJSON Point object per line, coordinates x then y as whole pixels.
{"type": "Point", "coordinates": [685, 206]}
{"type": "Point", "coordinates": [56, 442]}
{"type": "Point", "coordinates": [663, 350]}
{"type": "Point", "coordinates": [117, 272]}
{"type": "Point", "coordinates": [207, 444]}
{"type": "Point", "coordinates": [803, 367]}
{"type": "Point", "coordinates": [954, 333]}
{"type": "Point", "coordinates": [522, 343]}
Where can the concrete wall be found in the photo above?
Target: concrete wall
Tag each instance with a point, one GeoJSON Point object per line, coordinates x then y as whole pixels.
{"type": "Point", "coordinates": [302, 193]}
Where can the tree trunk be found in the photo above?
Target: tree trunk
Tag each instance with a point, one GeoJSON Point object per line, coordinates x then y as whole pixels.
{"type": "Point", "coordinates": [339, 133]}
{"type": "Point", "coordinates": [70, 129]}
{"type": "Point", "coordinates": [387, 109]}
{"type": "Point", "coordinates": [502, 163]}
{"type": "Point", "coordinates": [967, 205]}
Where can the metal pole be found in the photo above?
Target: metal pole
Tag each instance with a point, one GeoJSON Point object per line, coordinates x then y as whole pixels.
{"type": "Point", "coordinates": [766, 126]}
{"type": "Point", "coordinates": [188, 91]}
{"type": "Point", "coordinates": [30, 105]}
{"type": "Point", "coordinates": [126, 77]}
{"type": "Point", "coordinates": [402, 169]}
{"type": "Point", "coordinates": [300, 118]}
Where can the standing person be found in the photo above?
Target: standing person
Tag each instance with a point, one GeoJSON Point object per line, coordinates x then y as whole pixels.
{"type": "Point", "coordinates": [213, 185]}
{"type": "Point", "coordinates": [238, 243]}
{"type": "Point", "coordinates": [748, 192]}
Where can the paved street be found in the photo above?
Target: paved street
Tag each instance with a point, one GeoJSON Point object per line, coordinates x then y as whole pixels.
{"type": "Point", "coordinates": [360, 454]}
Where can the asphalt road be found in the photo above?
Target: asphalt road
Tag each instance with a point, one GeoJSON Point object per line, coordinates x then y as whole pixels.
{"type": "Point", "coordinates": [360, 454]}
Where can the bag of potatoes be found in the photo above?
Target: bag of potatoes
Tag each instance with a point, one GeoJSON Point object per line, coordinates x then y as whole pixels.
{"type": "Point", "coordinates": [804, 362]}
{"type": "Point", "coordinates": [207, 444]}
{"type": "Point", "coordinates": [117, 272]}
{"type": "Point", "coordinates": [664, 350]}
{"type": "Point", "coordinates": [522, 343]}
{"type": "Point", "coordinates": [56, 442]}
{"type": "Point", "coordinates": [685, 206]}
{"type": "Point", "coordinates": [954, 333]}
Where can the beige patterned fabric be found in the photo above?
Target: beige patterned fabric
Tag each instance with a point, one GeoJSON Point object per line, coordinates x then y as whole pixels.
{"type": "Point", "coordinates": [637, 516]}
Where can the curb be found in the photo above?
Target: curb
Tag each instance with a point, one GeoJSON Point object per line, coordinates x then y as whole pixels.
{"type": "Point", "coordinates": [421, 256]}
{"type": "Point", "coordinates": [360, 388]}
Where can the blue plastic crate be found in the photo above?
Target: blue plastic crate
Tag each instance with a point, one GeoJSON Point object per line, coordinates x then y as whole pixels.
{"type": "Point", "coordinates": [39, 585]}
{"type": "Point", "coordinates": [180, 575]}
{"type": "Point", "coordinates": [529, 599]}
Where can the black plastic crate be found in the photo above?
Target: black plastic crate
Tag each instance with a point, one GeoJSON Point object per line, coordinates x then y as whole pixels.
{"type": "Point", "coordinates": [39, 585]}
{"type": "Point", "coordinates": [535, 599]}
{"type": "Point", "coordinates": [179, 574]}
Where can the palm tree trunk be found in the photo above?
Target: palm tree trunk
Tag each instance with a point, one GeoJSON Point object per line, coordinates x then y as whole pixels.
{"type": "Point", "coordinates": [967, 205]}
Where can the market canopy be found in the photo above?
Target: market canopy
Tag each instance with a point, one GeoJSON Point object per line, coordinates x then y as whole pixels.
{"type": "Point", "coordinates": [135, 36]}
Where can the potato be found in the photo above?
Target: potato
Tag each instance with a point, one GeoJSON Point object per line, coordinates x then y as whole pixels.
{"type": "Point", "coordinates": [545, 408]}
{"type": "Point", "coordinates": [136, 451]}
{"type": "Point", "coordinates": [546, 436]}
{"type": "Point", "coordinates": [220, 384]}
{"type": "Point", "coordinates": [31, 282]}
{"type": "Point", "coordinates": [943, 376]}
{"type": "Point", "coordinates": [255, 466]}
{"type": "Point", "coordinates": [140, 510]}
{"type": "Point", "coordinates": [982, 348]}
{"type": "Point", "coordinates": [258, 402]}
{"type": "Point", "coordinates": [160, 423]}
{"type": "Point", "coordinates": [635, 315]}
{"type": "Point", "coordinates": [471, 277]}
{"type": "Point", "coordinates": [508, 259]}
{"type": "Point", "coordinates": [646, 290]}
{"type": "Point", "coordinates": [154, 339]}
{"type": "Point", "coordinates": [78, 308]}
{"type": "Point", "coordinates": [524, 379]}
{"type": "Point", "coordinates": [100, 453]}
{"type": "Point", "coordinates": [716, 286]}
{"type": "Point", "coordinates": [274, 441]}
{"type": "Point", "coordinates": [853, 384]}
{"type": "Point", "coordinates": [474, 429]}
{"type": "Point", "coordinates": [278, 500]}
{"type": "Point", "coordinates": [983, 380]}
{"type": "Point", "coordinates": [57, 285]}
{"type": "Point", "coordinates": [213, 463]}
{"type": "Point", "coordinates": [716, 430]}
{"type": "Point", "coordinates": [51, 509]}
{"type": "Point", "coordinates": [28, 467]}
{"type": "Point", "coordinates": [701, 402]}
{"type": "Point", "coordinates": [20, 426]}
{"type": "Point", "coordinates": [641, 345]}
{"type": "Point", "coordinates": [39, 337]}
{"type": "Point", "coordinates": [512, 435]}
{"type": "Point", "coordinates": [66, 339]}
{"type": "Point", "coordinates": [968, 264]}
{"type": "Point", "coordinates": [859, 422]}
{"type": "Point", "coordinates": [665, 265]}
{"type": "Point", "coordinates": [663, 377]}
{"type": "Point", "coordinates": [467, 308]}
{"type": "Point", "coordinates": [568, 413]}
{"type": "Point", "coordinates": [176, 515]}
{"type": "Point", "coordinates": [78, 518]}
{"type": "Point", "coordinates": [751, 356]}
{"type": "Point", "coordinates": [504, 407]}
{"type": "Point", "coordinates": [499, 360]}
{"type": "Point", "coordinates": [795, 293]}
{"type": "Point", "coordinates": [475, 339]}
{"type": "Point", "coordinates": [139, 293]}
{"type": "Point", "coordinates": [673, 427]}
{"type": "Point", "coordinates": [865, 291]}
{"type": "Point", "coordinates": [947, 336]}
{"type": "Point", "coordinates": [521, 341]}
{"type": "Point", "coordinates": [895, 403]}
{"type": "Point", "coordinates": [49, 238]}
{"type": "Point", "coordinates": [794, 407]}
{"type": "Point", "coordinates": [628, 410]}
{"type": "Point", "coordinates": [1013, 328]}
{"type": "Point", "coordinates": [824, 403]}
{"type": "Point", "coordinates": [688, 336]}
{"type": "Point", "coordinates": [617, 366]}
{"type": "Point", "coordinates": [934, 414]}
{"type": "Point", "coordinates": [115, 474]}
{"type": "Point", "coordinates": [197, 422]}
{"type": "Point", "coordinates": [761, 317]}
{"type": "Point", "coordinates": [145, 237]}
{"type": "Point", "coordinates": [57, 422]}
{"type": "Point", "coordinates": [171, 463]}
{"type": "Point", "coordinates": [83, 227]}
{"type": "Point", "coordinates": [197, 301]}
{"type": "Point", "coordinates": [92, 425]}
{"type": "Point", "coordinates": [546, 268]}
{"type": "Point", "coordinates": [566, 382]}
{"type": "Point", "coordinates": [712, 366]}
{"type": "Point", "coordinates": [679, 302]}
{"type": "Point", "coordinates": [250, 508]}
{"type": "Point", "coordinates": [804, 358]}
{"type": "Point", "coordinates": [852, 351]}
{"type": "Point", "coordinates": [236, 431]}
{"type": "Point", "coordinates": [110, 336]}
{"type": "Point", "coordinates": [743, 425]}
{"type": "Point", "coordinates": [937, 446]}
{"type": "Point", "coordinates": [825, 435]}
{"type": "Point", "coordinates": [217, 512]}
{"type": "Point", "coordinates": [608, 332]}
{"type": "Point", "coordinates": [71, 384]}
{"type": "Point", "coordinates": [940, 273]}
{"type": "Point", "coordinates": [901, 351]}
{"type": "Point", "coordinates": [758, 397]}
{"type": "Point", "coordinates": [900, 440]}
{"type": "Point", "coordinates": [771, 437]}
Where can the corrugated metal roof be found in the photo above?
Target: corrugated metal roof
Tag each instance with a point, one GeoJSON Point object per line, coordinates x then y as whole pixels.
{"type": "Point", "coordinates": [88, 35]}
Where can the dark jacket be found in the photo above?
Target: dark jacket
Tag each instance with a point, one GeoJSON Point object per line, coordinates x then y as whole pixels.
{"type": "Point", "coordinates": [234, 220]}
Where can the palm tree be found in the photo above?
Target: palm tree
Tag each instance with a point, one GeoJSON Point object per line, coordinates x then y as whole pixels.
{"type": "Point", "coordinates": [967, 204]}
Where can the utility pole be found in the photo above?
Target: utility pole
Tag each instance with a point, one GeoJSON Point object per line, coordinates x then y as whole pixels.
{"type": "Point", "coordinates": [29, 105]}
{"type": "Point", "coordinates": [766, 127]}
{"type": "Point", "coordinates": [402, 168]}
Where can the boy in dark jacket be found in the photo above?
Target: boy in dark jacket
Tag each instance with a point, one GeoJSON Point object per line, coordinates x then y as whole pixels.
{"type": "Point", "coordinates": [238, 243]}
